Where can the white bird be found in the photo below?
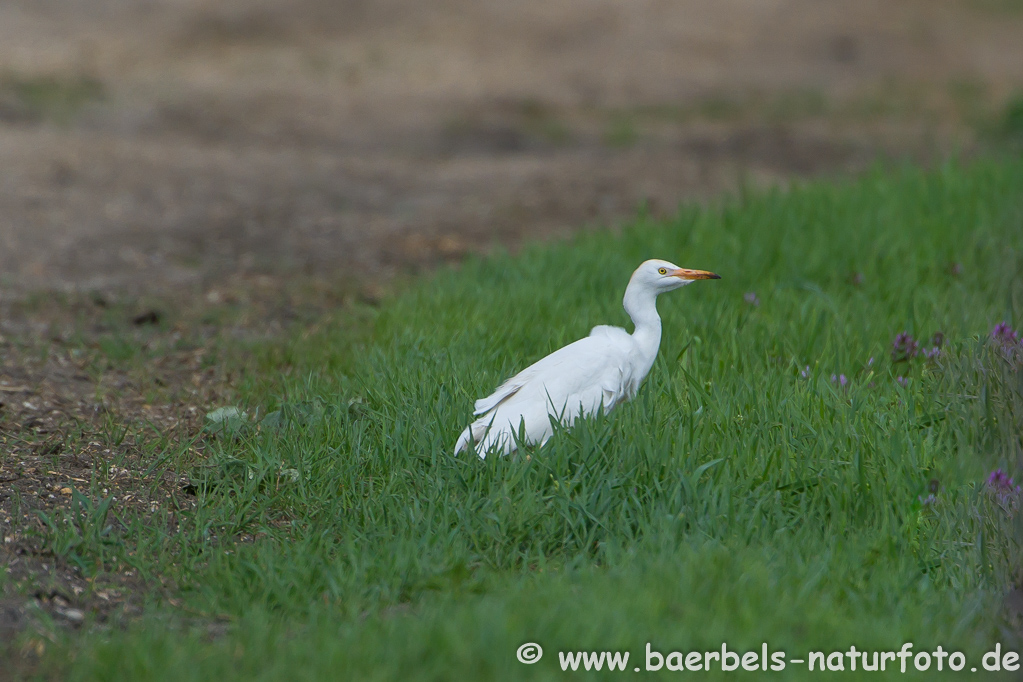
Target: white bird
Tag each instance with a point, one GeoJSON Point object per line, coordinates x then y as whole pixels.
{"type": "Point", "coordinates": [599, 371]}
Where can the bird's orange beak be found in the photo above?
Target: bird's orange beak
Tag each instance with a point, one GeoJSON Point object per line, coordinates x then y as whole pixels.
{"type": "Point", "coordinates": [683, 273]}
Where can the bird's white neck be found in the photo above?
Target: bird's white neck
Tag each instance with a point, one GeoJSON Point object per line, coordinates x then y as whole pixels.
{"type": "Point", "coordinates": [641, 305]}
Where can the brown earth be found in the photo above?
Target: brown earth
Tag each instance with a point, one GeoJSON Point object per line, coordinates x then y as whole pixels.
{"type": "Point", "coordinates": [155, 145]}
{"type": "Point", "coordinates": [166, 161]}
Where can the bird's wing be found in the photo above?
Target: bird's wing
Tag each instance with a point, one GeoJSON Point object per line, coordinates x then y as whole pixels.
{"type": "Point", "coordinates": [575, 380]}
{"type": "Point", "coordinates": [597, 361]}
{"type": "Point", "coordinates": [504, 391]}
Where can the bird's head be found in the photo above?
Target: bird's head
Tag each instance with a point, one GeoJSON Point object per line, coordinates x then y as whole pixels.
{"type": "Point", "coordinates": [661, 276]}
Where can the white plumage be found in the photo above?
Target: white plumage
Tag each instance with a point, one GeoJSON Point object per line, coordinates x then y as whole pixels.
{"type": "Point", "coordinates": [601, 370]}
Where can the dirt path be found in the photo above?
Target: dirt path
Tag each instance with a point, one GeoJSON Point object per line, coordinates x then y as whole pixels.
{"type": "Point", "coordinates": [176, 144]}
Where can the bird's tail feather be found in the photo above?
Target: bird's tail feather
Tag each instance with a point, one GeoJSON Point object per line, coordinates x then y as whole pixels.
{"type": "Point", "coordinates": [463, 440]}
{"type": "Point", "coordinates": [475, 433]}
{"type": "Point", "coordinates": [483, 437]}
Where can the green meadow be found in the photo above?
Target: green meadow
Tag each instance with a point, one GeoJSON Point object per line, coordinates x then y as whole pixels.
{"type": "Point", "coordinates": [786, 474]}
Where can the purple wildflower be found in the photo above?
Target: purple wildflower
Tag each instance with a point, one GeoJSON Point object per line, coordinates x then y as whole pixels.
{"type": "Point", "coordinates": [839, 379]}
{"type": "Point", "coordinates": [1007, 340]}
{"type": "Point", "coordinates": [902, 381]}
{"type": "Point", "coordinates": [805, 372]}
{"type": "Point", "coordinates": [870, 362]}
{"type": "Point", "coordinates": [999, 481]}
{"type": "Point", "coordinates": [751, 298]}
{"type": "Point", "coordinates": [1004, 489]}
{"type": "Point", "coordinates": [933, 488]}
{"type": "Point", "coordinates": [1004, 335]}
{"type": "Point", "coordinates": [933, 353]}
{"type": "Point", "coordinates": [904, 348]}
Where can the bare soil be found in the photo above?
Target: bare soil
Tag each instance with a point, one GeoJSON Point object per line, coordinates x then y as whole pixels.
{"type": "Point", "coordinates": [164, 160]}
{"type": "Point", "coordinates": [85, 386]}
{"type": "Point", "coordinates": [173, 143]}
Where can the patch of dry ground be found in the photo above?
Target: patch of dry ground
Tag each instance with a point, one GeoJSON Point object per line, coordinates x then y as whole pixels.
{"type": "Point", "coordinates": [149, 145]}
{"type": "Point", "coordinates": [82, 392]}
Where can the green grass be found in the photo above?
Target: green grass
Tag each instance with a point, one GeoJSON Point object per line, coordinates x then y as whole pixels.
{"type": "Point", "coordinates": [733, 501]}
{"type": "Point", "coordinates": [56, 98]}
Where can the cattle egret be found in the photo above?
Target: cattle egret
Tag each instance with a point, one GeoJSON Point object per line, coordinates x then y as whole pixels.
{"type": "Point", "coordinates": [599, 371]}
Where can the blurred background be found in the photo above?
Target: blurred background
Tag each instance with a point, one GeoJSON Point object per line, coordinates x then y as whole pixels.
{"type": "Point", "coordinates": [192, 146]}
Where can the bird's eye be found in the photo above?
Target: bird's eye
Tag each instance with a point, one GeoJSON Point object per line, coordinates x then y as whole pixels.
{"type": "Point", "coordinates": [663, 271]}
